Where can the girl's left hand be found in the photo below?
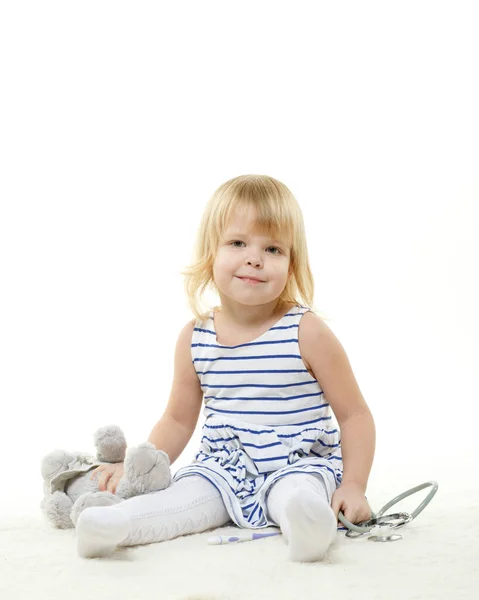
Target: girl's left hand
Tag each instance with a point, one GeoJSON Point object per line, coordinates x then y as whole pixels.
{"type": "Point", "coordinates": [349, 498]}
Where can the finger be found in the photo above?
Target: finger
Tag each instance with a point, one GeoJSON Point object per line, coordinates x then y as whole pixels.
{"type": "Point", "coordinates": [96, 472]}
{"type": "Point", "coordinates": [361, 513]}
{"type": "Point", "coordinates": [352, 513]}
{"type": "Point", "coordinates": [336, 506]}
{"type": "Point", "coordinates": [355, 515]}
{"type": "Point", "coordinates": [102, 483]}
{"type": "Point", "coordinates": [112, 485]}
{"type": "Point", "coordinates": [366, 514]}
{"type": "Point", "coordinates": [352, 517]}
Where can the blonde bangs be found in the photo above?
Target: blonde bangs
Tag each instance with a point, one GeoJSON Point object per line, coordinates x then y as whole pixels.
{"type": "Point", "coordinates": [275, 214]}
{"type": "Point", "coordinates": [278, 216]}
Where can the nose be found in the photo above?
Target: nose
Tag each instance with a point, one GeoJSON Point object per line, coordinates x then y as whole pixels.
{"type": "Point", "coordinates": [254, 262]}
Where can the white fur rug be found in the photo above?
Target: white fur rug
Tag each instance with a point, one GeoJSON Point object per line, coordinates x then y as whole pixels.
{"type": "Point", "coordinates": [437, 558]}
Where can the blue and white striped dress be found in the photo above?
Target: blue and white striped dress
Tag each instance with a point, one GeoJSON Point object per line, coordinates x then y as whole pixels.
{"type": "Point", "coordinates": [266, 417]}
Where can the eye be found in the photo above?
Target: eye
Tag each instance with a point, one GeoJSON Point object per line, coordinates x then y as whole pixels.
{"type": "Point", "coordinates": [275, 250]}
{"type": "Point", "coordinates": [236, 243]}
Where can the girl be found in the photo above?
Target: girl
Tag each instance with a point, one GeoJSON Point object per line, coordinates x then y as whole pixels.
{"type": "Point", "coordinates": [271, 374]}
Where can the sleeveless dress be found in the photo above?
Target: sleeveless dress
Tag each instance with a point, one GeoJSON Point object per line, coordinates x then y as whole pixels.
{"type": "Point", "coordinates": [266, 417]}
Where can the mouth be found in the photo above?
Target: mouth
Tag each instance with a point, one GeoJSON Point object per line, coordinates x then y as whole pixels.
{"type": "Point", "coordinates": [252, 280]}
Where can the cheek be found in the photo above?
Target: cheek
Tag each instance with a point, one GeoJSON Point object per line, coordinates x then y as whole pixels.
{"type": "Point", "coordinates": [281, 270]}
{"type": "Point", "coordinates": [221, 264]}
{"type": "Point", "coordinates": [217, 269]}
{"type": "Point", "coordinates": [227, 258]}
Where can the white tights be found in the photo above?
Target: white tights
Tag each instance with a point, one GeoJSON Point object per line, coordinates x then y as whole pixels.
{"type": "Point", "coordinates": [297, 503]}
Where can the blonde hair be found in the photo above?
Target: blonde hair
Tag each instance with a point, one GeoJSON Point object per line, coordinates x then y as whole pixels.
{"type": "Point", "coordinates": [278, 215]}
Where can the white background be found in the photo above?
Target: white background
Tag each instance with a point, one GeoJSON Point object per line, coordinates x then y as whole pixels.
{"type": "Point", "coordinates": [119, 120]}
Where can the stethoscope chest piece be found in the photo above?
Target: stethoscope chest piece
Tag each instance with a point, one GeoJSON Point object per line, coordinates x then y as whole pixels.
{"type": "Point", "coordinates": [384, 533]}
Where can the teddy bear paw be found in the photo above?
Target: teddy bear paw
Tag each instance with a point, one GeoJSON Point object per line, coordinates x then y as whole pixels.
{"type": "Point", "coordinates": [146, 469]}
{"type": "Point", "coordinates": [92, 499]}
{"type": "Point", "coordinates": [57, 509]}
{"type": "Point", "coordinates": [110, 443]}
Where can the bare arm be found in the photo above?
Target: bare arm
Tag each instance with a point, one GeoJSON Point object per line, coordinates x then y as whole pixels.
{"type": "Point", "coordinates": [175, 428]}
{"type": "Point", "coordinates": [330, 365]}
{"type": "Point", "coordinates": [358, 443]}
{"type": "Point", "coordinates": [170, 436]}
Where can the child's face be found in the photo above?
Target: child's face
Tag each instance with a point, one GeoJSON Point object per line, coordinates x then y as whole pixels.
{"type": "Point", "coordinates": [243, 253]}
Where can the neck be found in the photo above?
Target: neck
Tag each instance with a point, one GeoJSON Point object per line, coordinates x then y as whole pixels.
{"type": "Point", "coordinates": [246, 316]}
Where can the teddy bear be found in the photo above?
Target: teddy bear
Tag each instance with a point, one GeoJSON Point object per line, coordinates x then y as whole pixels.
{"type": "Point", "coordinates": [68, 487]}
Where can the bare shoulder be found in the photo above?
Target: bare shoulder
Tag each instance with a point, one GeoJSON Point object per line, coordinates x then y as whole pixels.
{"type": "Point", "coordinates": [183, 362]}
{"type": "Point", "coordinates": [186, 332]}
{"type": "Point", "coordinates": [186, 395]}
{"type": "Point", "coordinates": [326, 359]}
{"type": "Point", "coordinates": [313, 320]}
{"type": "Point", "coordinates": [316, 337]}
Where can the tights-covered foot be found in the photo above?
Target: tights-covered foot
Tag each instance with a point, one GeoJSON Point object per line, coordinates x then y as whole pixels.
{"type": "Point", "coordinates": [309, 525]}
{"type": "Point", "coordinates": [100, 530]}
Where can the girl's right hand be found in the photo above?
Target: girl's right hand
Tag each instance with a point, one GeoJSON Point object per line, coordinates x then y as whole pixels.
{"type": "Point", "coordinates": [110, 475]}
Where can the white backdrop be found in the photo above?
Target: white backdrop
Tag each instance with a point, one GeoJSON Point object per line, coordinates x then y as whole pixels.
{"type": "Point", "coordinates": [118, 122]}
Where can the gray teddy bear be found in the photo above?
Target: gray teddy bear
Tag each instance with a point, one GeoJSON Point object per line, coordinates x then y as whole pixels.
{"type": "Point", "coordinates": [68, 488]}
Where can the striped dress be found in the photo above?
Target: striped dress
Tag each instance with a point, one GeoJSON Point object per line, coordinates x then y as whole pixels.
{"type": "Point", "coordinates": [266, 417]}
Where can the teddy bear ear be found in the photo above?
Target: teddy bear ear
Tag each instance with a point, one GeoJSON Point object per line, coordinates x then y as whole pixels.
{"type": "Point", "coordinates": [110, 444]}
{"type": "Point", "coordinates": [55, 462]}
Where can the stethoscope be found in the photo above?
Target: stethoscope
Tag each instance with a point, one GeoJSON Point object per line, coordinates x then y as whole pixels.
{"type": "Point", "coordinates": [383, 526]}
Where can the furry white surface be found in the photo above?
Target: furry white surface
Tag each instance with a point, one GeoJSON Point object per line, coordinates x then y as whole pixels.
{"type": "Point", "coordinates": [437, 558]}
